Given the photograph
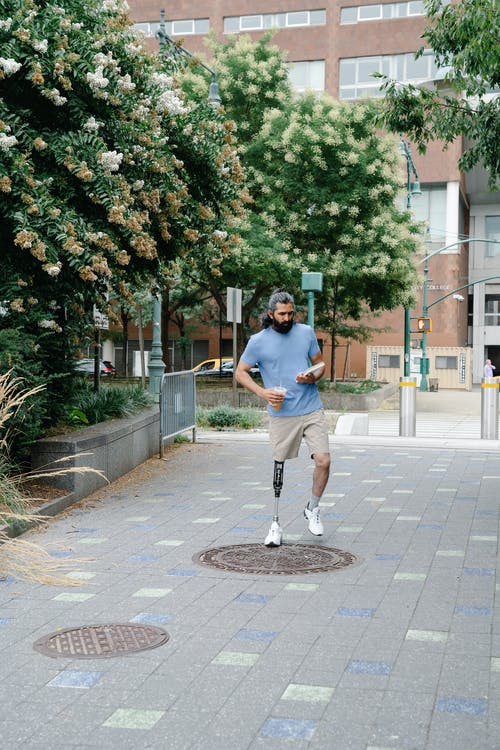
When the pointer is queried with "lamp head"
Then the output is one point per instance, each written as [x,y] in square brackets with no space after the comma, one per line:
[213,93]
[415,188]
[458,297]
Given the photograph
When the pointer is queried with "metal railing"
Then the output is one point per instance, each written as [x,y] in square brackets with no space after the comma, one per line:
[177,405]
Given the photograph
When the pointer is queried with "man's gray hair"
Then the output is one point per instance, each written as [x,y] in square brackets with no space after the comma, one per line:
[279,297]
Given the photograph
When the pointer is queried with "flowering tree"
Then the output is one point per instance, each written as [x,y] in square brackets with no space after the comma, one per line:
[327,185]
[106,174]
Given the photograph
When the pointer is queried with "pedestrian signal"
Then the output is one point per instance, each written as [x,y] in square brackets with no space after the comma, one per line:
[424,325]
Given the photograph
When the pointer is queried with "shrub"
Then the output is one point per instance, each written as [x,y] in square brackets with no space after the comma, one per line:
[222,417]
[358,386]
[111,402]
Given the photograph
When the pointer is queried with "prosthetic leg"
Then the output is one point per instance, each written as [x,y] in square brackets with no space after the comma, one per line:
[273,539]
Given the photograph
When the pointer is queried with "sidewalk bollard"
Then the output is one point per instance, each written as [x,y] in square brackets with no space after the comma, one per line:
[489,409]
[407,406]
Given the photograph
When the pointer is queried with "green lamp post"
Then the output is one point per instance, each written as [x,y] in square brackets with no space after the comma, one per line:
[311,283]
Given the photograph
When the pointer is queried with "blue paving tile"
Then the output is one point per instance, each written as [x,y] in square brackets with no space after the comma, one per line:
[292,729]
[472,706]
[356,611]
[486,513]
[343,487]
[182,572]
[7,580]
[256,635]
[472,610]
[333,515]
[369,667]
[149,618]
[143,558]
[440,504]
[74,679]
[84,530]
[261,518]
[144,526]
[257,598]
[243,530]
[387,556]
[479,571]
[182,507]
[4,621]
[164,494]
[62,553]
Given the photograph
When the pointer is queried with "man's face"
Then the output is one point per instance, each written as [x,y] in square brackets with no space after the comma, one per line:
[282,317]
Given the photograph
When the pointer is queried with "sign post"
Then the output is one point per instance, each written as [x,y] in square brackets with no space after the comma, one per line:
[234,317]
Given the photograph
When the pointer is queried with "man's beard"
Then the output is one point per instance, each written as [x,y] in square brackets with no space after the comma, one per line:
[284,327]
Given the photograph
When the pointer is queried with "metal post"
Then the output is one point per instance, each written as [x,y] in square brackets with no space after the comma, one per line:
[406,360]
[407,406]
[156,364]
[423,381]
[489,409]
[310,309]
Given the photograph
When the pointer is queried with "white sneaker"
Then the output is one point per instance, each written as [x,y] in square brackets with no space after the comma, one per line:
[315,525]
[273,539]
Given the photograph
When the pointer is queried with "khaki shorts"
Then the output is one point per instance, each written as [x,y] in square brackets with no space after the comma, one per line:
[286,433]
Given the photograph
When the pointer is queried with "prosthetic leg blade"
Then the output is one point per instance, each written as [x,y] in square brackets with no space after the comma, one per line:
[275,535]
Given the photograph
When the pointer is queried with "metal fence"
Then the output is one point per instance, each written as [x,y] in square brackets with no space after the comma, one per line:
[177,405]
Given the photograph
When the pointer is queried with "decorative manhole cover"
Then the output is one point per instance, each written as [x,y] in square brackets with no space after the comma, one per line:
[101,641]
[289,559]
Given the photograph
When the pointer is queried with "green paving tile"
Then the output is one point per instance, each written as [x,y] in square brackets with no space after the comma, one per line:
[254,506]
[206,520]
[334,494]
[479,538]
[235,659]
[375,499]
[408,518]
[410,577]
[349,529]
[92,540]
[302,587]
[450,553]
[293,537]
[81,575]
[495,664]
[327,504]
[133,718]
[138,519]
[307,693]
[215,498]
[251,484]
[341,473]
[446,489]
[69,597]
[371,481]
[170,542]
[389,509]
[403,492]
[427,635]
[151,593]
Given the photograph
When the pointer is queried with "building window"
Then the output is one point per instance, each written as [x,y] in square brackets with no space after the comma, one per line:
[492,310]
[492,232]
[356,79]
[430,208]
[446,363]
[234,24]
[183,27]
[360,13]
[389,361]
[307,76]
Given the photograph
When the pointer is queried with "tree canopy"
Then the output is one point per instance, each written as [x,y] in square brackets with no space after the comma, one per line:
[465,38]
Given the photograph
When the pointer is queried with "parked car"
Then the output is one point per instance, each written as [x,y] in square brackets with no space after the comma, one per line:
[211,366]
[87,366]
[227,369]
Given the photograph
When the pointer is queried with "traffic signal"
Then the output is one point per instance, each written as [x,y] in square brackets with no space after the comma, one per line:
[424,325]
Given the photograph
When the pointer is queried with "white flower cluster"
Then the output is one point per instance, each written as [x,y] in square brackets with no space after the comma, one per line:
[9,65]
[50,324]
[125,83]
[218,234]
[41,46]
[111,160]
[105,60]
[5,23]
[133,48]
[138,185]
[115,5]
[169,102]
[162,79]
[92,125]
[55,97]
[97,80]
[53,269]
[7,141]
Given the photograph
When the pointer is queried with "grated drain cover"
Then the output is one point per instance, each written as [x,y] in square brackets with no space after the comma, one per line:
[101,641]
[289,559]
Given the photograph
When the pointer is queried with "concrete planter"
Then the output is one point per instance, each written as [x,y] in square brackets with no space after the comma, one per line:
[114,447]
[341,402]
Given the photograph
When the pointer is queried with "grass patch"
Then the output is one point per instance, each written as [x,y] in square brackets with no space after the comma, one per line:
[227,417]
[357,386]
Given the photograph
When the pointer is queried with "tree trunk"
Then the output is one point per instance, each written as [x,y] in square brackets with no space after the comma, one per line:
[164,328]
[125,321]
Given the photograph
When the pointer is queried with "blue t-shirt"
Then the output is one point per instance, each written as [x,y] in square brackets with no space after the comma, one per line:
[280,357]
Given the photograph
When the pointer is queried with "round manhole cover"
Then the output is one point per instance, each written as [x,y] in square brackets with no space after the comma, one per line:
[289,559]
[101,641]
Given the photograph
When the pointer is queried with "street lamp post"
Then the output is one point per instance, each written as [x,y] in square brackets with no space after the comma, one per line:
[425,304]
[311,282]
[156,364]
[412,188]
[213,93]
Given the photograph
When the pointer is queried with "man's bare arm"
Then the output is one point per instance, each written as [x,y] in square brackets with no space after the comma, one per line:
[245,379]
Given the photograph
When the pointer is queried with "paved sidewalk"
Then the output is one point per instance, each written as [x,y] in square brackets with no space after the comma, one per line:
[400,652]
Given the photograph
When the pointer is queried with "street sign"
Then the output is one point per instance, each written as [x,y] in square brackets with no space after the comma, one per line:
[100,320]
[233,305]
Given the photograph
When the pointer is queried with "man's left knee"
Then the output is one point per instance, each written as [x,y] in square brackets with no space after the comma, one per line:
[322,461]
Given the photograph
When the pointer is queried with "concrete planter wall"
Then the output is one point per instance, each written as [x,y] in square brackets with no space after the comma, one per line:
[341,402]
[115,448]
